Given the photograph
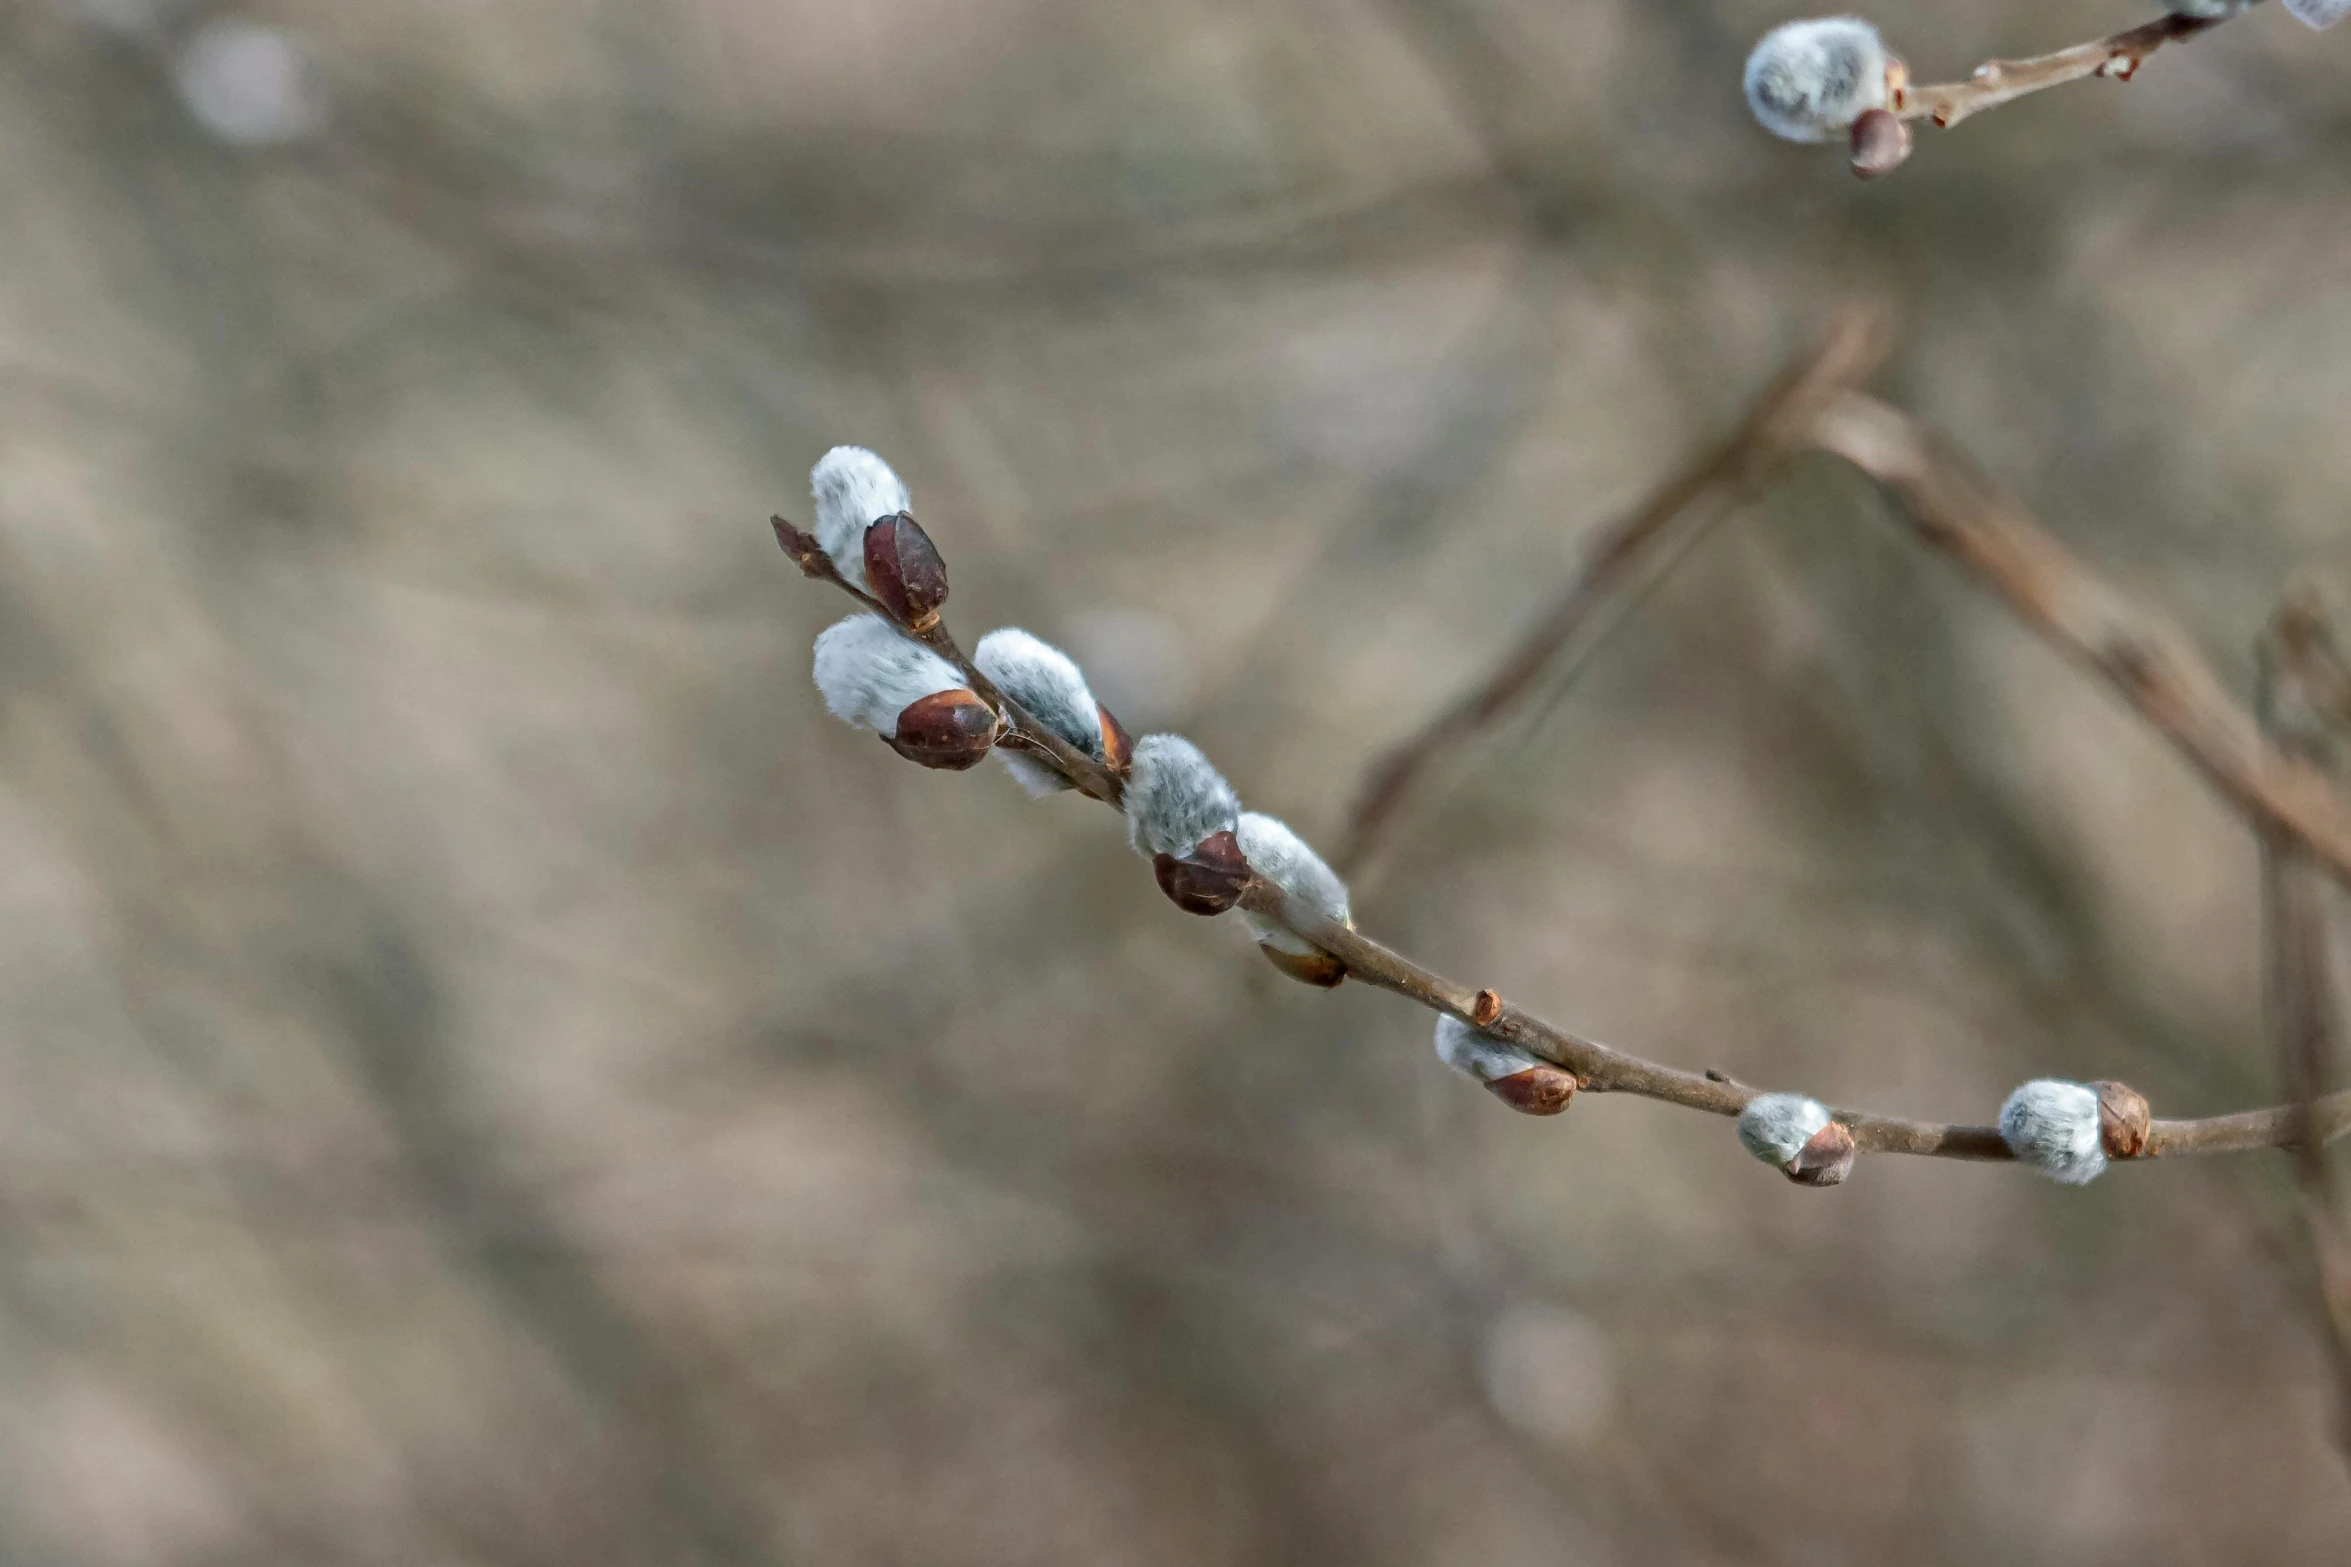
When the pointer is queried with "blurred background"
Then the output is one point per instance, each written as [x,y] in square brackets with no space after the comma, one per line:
[490,1073]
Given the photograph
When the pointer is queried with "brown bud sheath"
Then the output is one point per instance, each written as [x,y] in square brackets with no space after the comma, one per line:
[1314,968]
[907,575]
[1486,1010]
[1539,1090]
[2123,1120]
[1118,747]
[1826,1160]
[1206,881]
[1881,143]
[948,730]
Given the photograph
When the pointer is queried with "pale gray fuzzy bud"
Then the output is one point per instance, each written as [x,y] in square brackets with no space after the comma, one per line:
[1043,679]
[1477,1054]
[1775,1127]
[869,673]
[2318,15]
[1282,857]
[2211,10]
[1810,80]
[1175,797]
[2053,1126]
[852,488]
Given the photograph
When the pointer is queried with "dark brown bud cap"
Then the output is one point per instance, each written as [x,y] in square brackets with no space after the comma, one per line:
[1314,968]
[1881,143]
[905,570]
[1209,879]
[948,730]
[1539,1090]
[2123,1120]
[1826,1160]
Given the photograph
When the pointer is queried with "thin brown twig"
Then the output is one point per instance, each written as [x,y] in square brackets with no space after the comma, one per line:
[1600,1069]
[1996,82]
[1698,494]
[2305,913]
[2154,666]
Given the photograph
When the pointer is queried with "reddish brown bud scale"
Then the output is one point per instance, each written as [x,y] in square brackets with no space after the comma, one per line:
[1209,880]
[1118,747]
[1826,1160]
[904,568]
[1539,1090]
[947,730]
[1313,968]
[1486,1010]
[2124,1120]
[1881,144]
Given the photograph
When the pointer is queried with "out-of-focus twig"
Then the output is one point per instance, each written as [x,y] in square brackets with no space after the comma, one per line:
[2147,659]
[2309,916]
[1996,82]
[1693,497]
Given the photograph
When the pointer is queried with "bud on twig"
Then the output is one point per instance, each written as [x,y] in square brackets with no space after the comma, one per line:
[1282,857]
[1209,880]
[1796,1135]
[852,488]
[873,676]
[905,570]
[1881,143]
[1044,680]
[1182,814]
[2124,1119]
[1810,80]
[2054,1126]
[1519,1079]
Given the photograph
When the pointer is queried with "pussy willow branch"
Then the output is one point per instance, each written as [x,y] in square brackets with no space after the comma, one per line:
[2305,916]
[1996,82]
[2140,653]
[1695,497]
[1597,1067]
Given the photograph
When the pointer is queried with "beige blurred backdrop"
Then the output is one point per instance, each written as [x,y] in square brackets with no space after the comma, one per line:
[490,1073]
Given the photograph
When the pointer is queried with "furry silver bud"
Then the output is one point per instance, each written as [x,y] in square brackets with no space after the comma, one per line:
[1810,80]
[2054,1127]
[2214,10]
[1283,858]
[869,673]
[1775,1127]
[1175,798]
[1475,1053]
[852,489]
[2318,15]
[1043,679]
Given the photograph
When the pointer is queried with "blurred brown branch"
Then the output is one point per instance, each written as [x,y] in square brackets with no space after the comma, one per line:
[1996,82]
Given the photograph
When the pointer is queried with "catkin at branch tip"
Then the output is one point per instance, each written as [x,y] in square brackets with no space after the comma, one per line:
[1175,797]
[1046,681]
[1810,80]
[852,489]
[869,673]
[2053,1126]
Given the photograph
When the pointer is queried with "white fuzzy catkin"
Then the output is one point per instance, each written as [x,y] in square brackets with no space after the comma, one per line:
[1043,679]
[852,487]
[1810,80]
[869,672]
[2210,10]
[1282,857]
[1775,1127]
[2318,15]
[2053,1126]
[1175,797]
[1474,1053]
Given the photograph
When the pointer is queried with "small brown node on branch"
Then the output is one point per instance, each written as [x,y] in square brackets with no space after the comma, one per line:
[1118,747]
[1539,1090]
[2123,1120]
[947,730]
[1881,144]
[1825,1160]
[1317,968]
[1209,880]
[1486,1010]
[905,570]
[802,547]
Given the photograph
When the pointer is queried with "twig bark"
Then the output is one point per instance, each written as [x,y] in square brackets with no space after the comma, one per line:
[2306,914]
[1696,496]
[2142,655]
[1600,1069]
[1996,82]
